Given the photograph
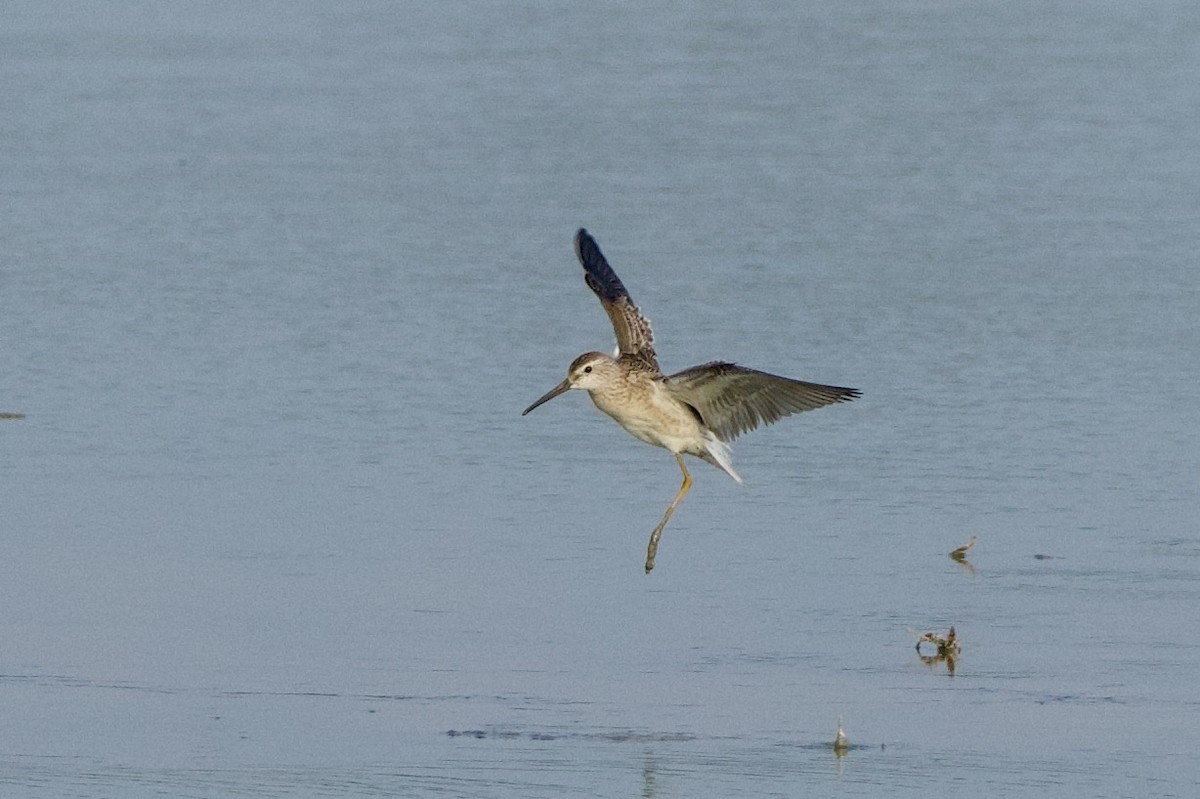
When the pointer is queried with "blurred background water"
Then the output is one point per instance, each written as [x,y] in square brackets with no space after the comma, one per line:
[277,280]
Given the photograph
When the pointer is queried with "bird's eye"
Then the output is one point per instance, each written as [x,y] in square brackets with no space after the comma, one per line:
[587,368]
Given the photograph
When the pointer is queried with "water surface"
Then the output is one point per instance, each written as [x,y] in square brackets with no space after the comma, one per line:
[278,281]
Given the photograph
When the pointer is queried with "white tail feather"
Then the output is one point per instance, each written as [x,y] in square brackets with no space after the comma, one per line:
[719,451]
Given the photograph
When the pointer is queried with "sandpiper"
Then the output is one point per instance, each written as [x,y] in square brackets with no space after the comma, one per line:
[698,411]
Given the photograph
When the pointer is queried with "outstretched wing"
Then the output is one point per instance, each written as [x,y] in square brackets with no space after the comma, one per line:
[633,330]
[733,400]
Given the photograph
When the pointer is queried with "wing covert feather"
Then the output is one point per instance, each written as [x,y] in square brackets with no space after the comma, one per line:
[733,399]
[634,337]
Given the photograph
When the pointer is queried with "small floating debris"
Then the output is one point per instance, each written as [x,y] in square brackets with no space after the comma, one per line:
[466,733]
[607,736]
[841,744]
[946,647]
[961,552]
[959,556]
[11,415]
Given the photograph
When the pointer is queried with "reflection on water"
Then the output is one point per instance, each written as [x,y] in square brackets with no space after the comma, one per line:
[649,775]
[965,564]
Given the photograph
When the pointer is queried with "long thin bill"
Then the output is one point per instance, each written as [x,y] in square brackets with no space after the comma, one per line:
[561,388]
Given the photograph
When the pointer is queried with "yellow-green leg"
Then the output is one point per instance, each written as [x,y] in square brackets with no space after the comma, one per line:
[652,549]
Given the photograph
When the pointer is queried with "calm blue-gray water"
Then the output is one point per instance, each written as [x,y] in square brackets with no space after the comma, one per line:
[277,279]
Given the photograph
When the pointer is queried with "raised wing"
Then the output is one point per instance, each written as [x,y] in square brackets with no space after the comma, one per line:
[733,400]
[633,330]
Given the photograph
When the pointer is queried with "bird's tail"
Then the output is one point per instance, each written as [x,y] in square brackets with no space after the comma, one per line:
[717,453]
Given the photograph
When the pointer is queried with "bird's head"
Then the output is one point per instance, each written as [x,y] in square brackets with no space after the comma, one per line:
[589,371]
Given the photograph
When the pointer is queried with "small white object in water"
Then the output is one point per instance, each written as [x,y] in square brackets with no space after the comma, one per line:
[840,742]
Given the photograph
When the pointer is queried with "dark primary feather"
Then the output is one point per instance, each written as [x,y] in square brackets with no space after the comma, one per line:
[632,329]
[733,400]
[600,276]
